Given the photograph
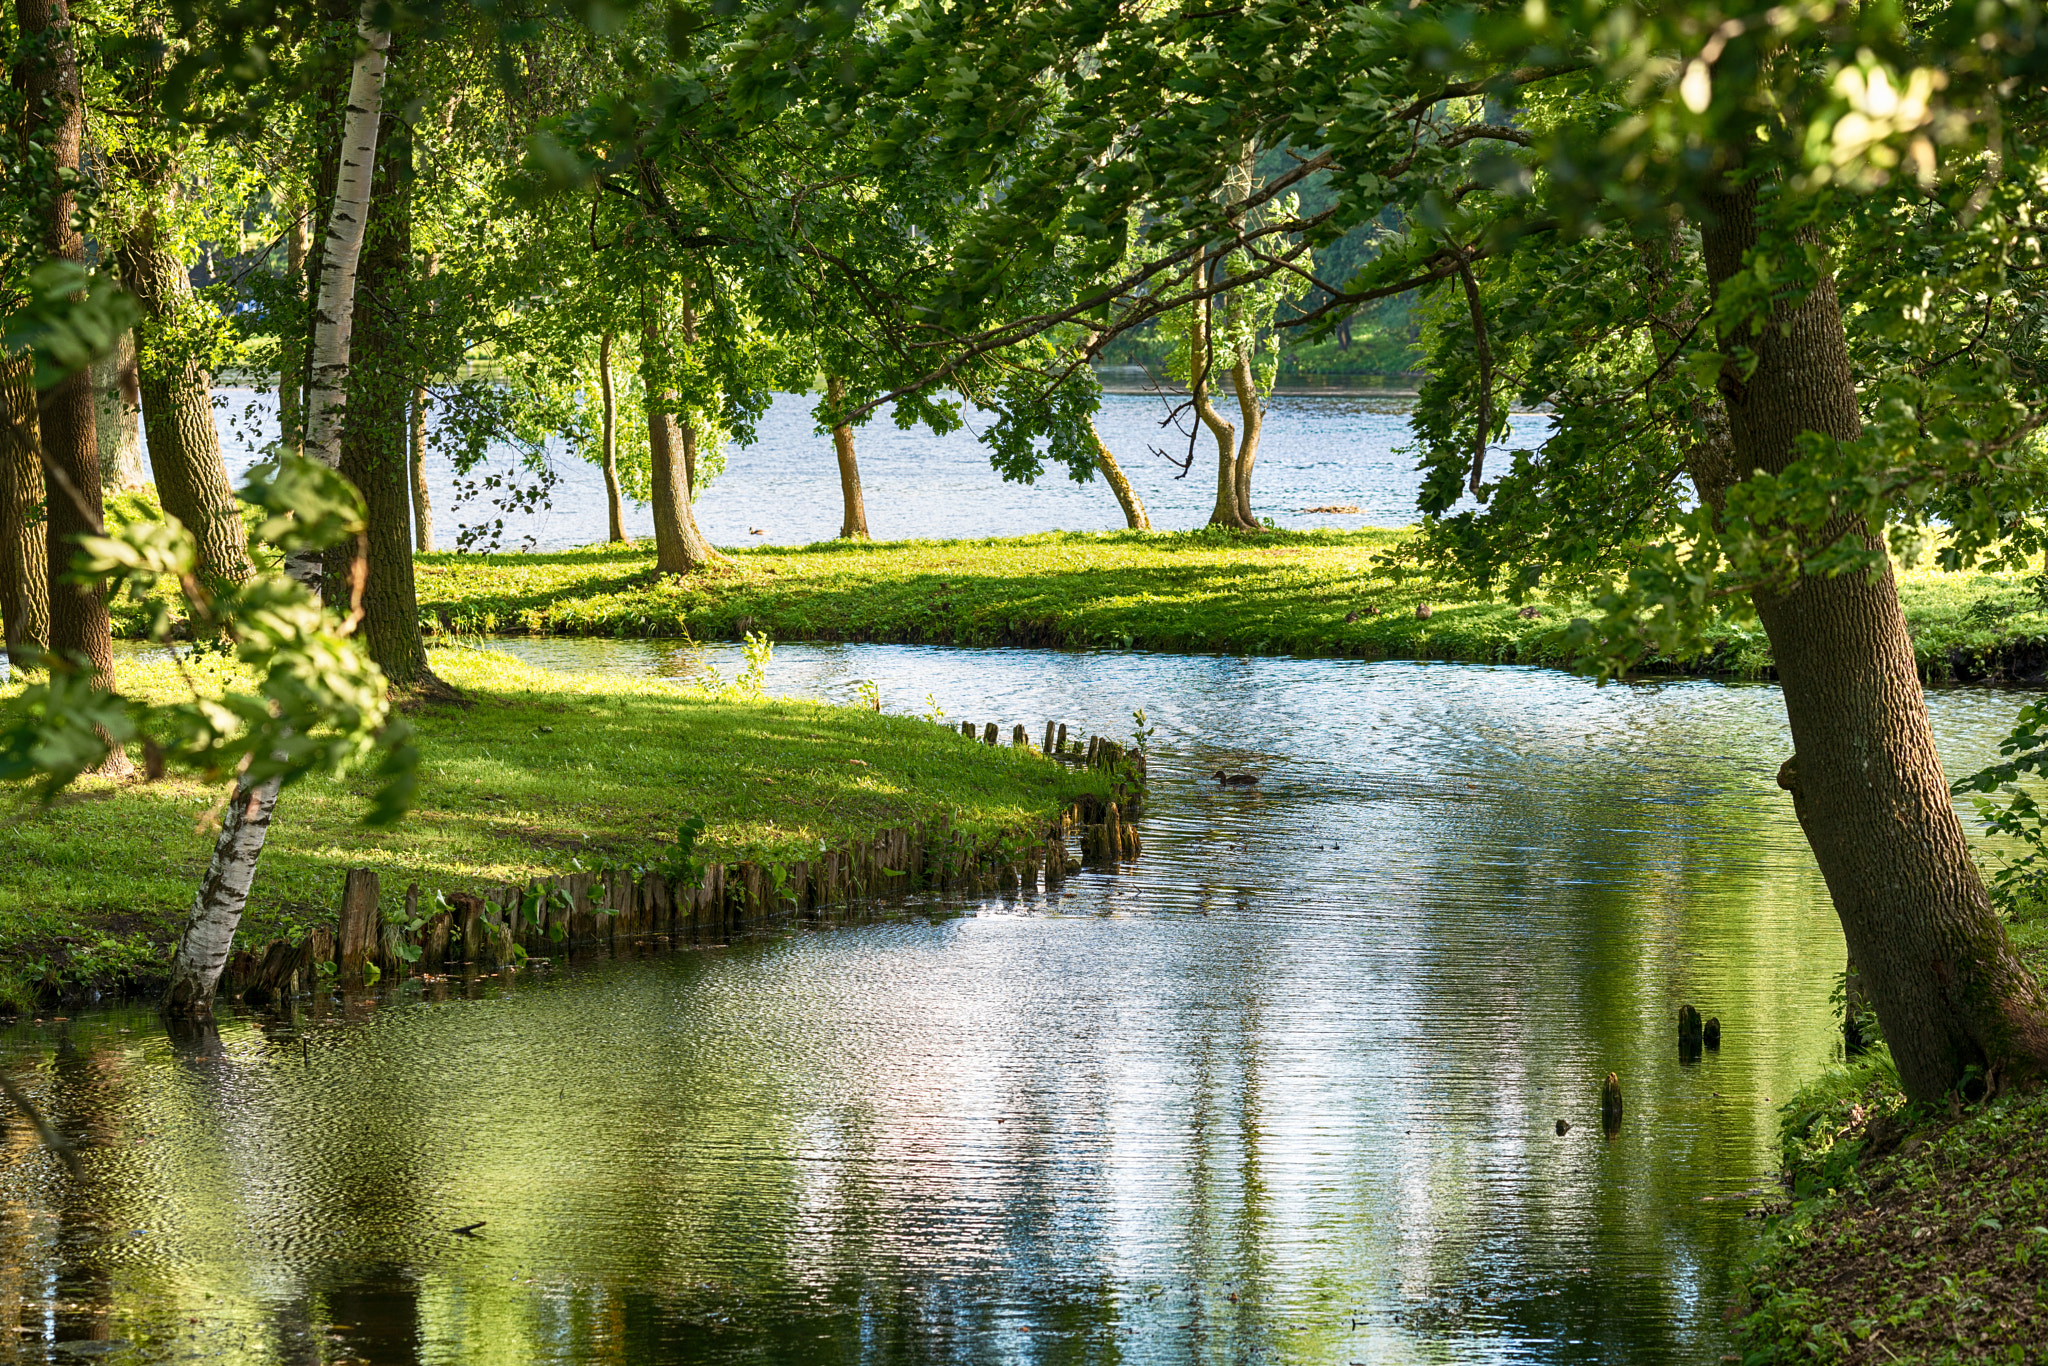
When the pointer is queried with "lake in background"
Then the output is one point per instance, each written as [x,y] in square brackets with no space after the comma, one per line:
[1317,451]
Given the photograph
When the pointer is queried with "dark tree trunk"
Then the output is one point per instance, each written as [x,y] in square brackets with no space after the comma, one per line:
[1865,781]
[177,409]
[79,626]
[614,504]
[853,526]
[24,555]
[291,357]
[376,430]
[416,459]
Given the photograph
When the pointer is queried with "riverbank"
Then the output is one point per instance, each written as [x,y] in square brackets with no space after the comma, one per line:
[1909,1235]
[1312,593]
[544,774]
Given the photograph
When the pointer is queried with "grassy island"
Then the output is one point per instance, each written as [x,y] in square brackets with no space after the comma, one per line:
[541,773]
[1284,592]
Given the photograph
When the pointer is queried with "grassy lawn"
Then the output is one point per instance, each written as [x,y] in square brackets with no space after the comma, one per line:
[543,770]
[1307,593]
[1911,1236]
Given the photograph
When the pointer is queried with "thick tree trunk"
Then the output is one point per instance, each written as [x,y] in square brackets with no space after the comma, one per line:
[24,554]
[679,547]
[1201,366]
[117,406]
[177,408]
[376,442]
[1254,416]
[217,910]
[614,504]
[291,359]
[1865,780]
[1127,497]
[79,626]
[853,524]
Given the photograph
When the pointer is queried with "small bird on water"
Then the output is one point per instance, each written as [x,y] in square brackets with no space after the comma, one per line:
[1237,779]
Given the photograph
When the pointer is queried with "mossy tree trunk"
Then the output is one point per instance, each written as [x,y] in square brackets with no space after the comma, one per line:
[376,438]
[24,555]
[80,629]
[1865,779]
[177,404]
[853,521]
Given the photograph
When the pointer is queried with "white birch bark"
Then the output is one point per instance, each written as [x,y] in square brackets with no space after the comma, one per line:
[217,911]
[334,306]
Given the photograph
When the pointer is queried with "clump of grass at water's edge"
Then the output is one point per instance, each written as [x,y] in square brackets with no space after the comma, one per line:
[1910,1235]
[1281,592]
[545,770]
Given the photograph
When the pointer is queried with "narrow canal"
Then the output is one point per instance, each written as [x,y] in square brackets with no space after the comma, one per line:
[1285,1090]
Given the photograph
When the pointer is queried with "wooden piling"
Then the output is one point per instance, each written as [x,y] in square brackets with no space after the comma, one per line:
[1610,1103]
[1711,1031]
[967,729]
[1061,746]
[1020,738]
[991,733]
[1047,746]
[1689,1028]
[358,940]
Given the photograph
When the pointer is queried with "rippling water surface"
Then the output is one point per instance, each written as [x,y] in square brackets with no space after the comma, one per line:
[1284,1090]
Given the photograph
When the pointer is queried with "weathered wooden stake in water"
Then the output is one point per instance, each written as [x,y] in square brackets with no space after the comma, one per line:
[1061,747]
[1689,1028]
[1047,746]
[1019,738]
[1610,1103]
[967,729]
[359,924]
[991,734]
[1711,1031]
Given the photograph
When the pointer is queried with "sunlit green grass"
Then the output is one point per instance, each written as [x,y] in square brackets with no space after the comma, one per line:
[544,769]
[1305,593]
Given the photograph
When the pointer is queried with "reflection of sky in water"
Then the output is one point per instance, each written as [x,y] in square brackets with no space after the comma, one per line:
[1282,1090]
[1316,452]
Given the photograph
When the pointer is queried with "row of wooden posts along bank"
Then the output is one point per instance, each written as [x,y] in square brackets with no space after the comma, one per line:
[618,912]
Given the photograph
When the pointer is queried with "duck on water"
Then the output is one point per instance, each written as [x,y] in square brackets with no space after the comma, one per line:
[1237,779]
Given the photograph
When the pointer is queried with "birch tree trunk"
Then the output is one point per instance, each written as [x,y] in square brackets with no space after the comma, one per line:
[216,913]
[1127,497]
[614,505]
[24,555]
[341,250]
[853,525]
